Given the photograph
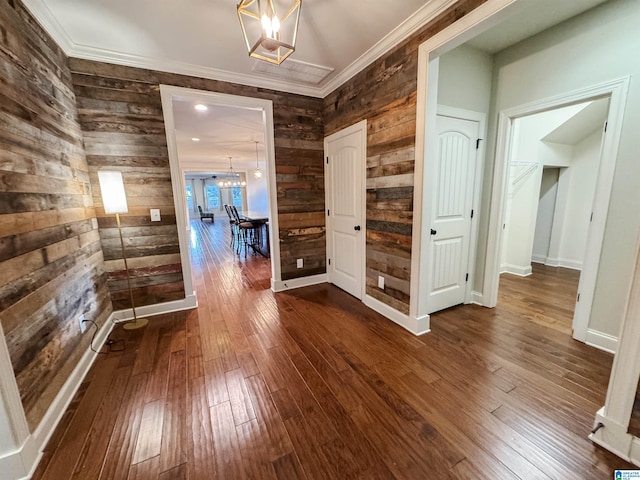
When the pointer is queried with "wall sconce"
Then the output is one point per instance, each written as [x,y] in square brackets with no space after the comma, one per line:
[268,36]
[114,200]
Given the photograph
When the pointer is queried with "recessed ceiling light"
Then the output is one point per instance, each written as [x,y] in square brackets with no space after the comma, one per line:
[195,139]
[201,108]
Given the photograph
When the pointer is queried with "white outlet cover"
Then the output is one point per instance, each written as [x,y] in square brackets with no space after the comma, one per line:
[155,214]
[300,263]
[381,282]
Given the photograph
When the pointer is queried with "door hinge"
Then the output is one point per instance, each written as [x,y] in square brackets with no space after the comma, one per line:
[472,213]
[329,261]
[578,298]
[591,218]
[327,160]
[478,143]
[466,277]
[606,124]
[328,212]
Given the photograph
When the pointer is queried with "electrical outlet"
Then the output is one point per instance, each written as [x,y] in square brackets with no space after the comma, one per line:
[83,323]
[299,263]
[381,282]
[155,214]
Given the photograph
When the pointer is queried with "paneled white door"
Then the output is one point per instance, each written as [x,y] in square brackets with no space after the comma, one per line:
[345,165]
[452,201]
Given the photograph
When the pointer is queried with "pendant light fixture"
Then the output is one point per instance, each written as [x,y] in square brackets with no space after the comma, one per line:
[257,173]
[269,36]
[233,178]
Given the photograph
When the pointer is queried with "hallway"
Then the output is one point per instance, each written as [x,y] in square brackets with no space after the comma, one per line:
[311,384]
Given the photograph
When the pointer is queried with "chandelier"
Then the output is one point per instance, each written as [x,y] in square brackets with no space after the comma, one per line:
[232,178]
[257,173]
[269,36]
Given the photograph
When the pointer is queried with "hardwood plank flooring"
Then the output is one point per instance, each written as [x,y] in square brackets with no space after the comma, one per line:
[310,384]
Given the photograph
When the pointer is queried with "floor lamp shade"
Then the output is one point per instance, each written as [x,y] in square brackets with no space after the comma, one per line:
[112,190]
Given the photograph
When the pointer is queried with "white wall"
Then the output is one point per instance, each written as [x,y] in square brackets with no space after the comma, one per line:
[257,196]
[464,80]
[598,46]
[546,211]
[582,187]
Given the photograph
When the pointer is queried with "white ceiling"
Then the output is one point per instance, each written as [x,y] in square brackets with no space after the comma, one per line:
[203,38]
[581,125]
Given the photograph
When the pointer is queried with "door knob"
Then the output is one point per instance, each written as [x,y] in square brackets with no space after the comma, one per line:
[433,232]
[357,228]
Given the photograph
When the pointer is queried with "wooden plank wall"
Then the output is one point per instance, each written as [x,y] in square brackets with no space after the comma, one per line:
[120,113]
[385,95]
[51,262]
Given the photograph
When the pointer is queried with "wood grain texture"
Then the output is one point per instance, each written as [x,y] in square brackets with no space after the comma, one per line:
[324,388]
[51,264]
[121,117]
[385,94]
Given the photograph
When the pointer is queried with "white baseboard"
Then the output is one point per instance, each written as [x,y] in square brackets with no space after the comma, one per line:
[416,325]
[602,341]
[634,456]
[22,462]
[187,303]
[477,298]
[538,259]
[283,285]
[516,270]
[564,263]
[612,436]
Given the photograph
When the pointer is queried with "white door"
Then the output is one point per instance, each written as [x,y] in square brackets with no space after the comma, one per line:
[451,215]
[345,165]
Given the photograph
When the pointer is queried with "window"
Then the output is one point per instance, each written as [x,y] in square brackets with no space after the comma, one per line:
[189,189]
[236,193]
[212,193]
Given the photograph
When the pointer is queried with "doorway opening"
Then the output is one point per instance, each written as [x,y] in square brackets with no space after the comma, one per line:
[216,143]
[552,174]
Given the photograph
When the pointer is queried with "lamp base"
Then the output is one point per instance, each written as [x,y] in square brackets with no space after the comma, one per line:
[135,324]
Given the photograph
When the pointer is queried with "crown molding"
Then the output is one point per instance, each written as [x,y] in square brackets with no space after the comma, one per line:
[48,21]
[403,31]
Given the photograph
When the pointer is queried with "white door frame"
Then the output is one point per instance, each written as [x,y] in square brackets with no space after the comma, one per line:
[616,90]
[357,127]
[168,93]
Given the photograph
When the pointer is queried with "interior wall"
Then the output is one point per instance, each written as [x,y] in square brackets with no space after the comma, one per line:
[464,79]
[115,99]
[385,95]
[51,262]
[592,48]
[545,215]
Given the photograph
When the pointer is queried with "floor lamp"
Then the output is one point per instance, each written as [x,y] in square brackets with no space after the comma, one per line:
[115,201]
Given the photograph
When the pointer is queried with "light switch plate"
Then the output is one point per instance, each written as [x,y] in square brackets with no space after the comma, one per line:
[300,263]
[381,282]
[155,214]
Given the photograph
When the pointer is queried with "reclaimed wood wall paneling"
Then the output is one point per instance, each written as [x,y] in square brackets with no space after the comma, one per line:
[51,263]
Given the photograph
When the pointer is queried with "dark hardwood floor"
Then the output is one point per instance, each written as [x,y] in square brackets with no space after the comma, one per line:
[310,384]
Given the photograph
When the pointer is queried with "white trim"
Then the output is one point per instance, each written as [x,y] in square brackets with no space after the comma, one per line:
[415,325]
[602,341]
[561,262]
[283,285]
[613,436]
[415,22]
[477,298]
[403,31]
[516,270]
[187,303]
[167,94]
[634,456]
[360,127]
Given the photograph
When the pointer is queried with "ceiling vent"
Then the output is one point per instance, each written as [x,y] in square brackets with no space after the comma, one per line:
[295,71]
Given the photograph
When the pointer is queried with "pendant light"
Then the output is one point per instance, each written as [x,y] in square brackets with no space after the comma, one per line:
[257,173]
[233,178]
